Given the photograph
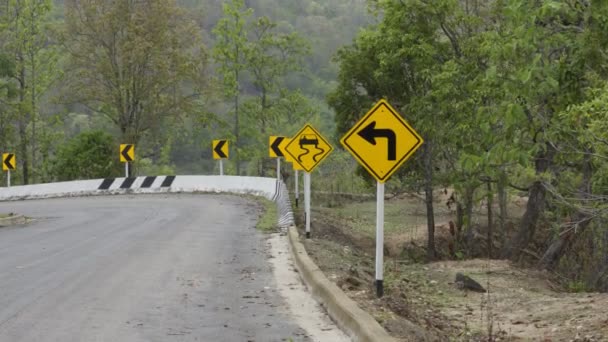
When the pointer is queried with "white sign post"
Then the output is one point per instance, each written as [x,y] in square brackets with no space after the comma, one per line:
[8,179]
[380,239]
[297,188]
[307,202]
[221,167]
[278,168]
[126,169]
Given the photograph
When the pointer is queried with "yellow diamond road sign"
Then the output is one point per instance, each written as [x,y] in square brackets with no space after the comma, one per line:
[381,141]
[308,148]
[289,158]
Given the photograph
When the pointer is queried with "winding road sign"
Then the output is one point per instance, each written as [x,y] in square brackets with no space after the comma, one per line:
[274,146]
[382,141]
[8,161]
[220,149]
[289,158]
[308,148]
[127,153]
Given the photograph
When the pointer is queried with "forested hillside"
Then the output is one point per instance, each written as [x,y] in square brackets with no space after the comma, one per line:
[147,73]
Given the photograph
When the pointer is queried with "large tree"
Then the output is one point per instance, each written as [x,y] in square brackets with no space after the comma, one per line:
[140,63]
[26,40]
[229,53]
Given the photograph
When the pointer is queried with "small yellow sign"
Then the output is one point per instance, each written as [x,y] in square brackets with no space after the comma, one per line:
[381,141]
[9,161]
[220,149]
[308,148]
[276,146]
[127,153]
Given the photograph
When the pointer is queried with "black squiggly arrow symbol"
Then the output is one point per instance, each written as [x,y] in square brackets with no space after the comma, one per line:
[370,133]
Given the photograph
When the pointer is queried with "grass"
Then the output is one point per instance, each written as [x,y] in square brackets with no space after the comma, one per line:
[400,215]
[269,218]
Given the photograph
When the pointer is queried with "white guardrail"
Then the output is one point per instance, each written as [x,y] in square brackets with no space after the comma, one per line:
[258,186]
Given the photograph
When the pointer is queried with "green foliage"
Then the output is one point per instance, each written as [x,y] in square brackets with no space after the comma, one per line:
[268,219]
[88,155]
[142,65]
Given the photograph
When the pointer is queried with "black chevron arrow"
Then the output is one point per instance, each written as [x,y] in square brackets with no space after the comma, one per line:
[370,133]
[125,153]
[218,149]
[7,162]
[275,146]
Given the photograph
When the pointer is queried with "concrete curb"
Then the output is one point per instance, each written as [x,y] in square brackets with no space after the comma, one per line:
[357,323]
[12,220]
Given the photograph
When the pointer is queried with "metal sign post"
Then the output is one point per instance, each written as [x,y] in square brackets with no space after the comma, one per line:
[8,179]
[297,188]
[279,168]
[126,169]
[307,202]
[221,167]
[380,239]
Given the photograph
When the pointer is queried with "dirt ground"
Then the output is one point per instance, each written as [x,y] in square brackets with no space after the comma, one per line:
[422,299]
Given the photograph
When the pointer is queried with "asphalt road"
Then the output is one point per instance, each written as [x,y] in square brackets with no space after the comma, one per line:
[139,268]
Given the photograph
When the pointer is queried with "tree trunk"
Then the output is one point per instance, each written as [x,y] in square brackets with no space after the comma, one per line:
[236,120]
[23,121]
[468,212]
[428,189]
[534,208]
[502,204]
[556,249]
[490,200]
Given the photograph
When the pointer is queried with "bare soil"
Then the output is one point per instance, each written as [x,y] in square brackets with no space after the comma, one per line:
[421,298]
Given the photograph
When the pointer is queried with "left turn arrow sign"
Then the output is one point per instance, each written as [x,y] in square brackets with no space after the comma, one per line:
[127,153]
[8,161]
[275,147]
[220,149]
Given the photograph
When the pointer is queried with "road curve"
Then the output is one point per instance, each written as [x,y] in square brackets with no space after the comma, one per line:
[139,268]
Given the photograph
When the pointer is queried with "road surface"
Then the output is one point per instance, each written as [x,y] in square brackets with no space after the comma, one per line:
[142,268]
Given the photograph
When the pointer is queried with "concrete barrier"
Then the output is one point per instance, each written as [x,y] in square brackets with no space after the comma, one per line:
[259,186]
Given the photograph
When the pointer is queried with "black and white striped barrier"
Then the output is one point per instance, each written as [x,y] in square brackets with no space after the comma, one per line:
[149,182]
[284,209]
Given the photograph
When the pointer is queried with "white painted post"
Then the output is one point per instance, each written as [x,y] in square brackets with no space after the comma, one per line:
[297,188]
[278,168]
[126,169]
[221,167]
[307,202]
[8,179]
[380,240]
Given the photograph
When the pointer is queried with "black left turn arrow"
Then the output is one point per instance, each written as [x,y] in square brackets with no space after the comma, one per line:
[275,146]
[218,149]
[7,161]
[125,153]
[370,133]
